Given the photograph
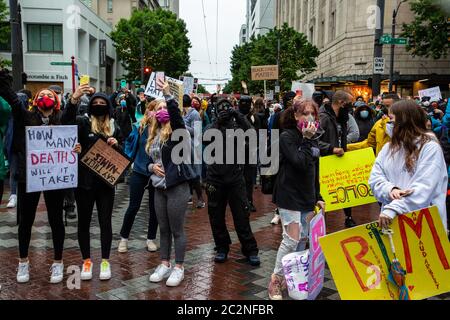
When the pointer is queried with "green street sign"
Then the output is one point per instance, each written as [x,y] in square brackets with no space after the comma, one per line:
[60,63]
[400,41]
[386,39]
[137,82]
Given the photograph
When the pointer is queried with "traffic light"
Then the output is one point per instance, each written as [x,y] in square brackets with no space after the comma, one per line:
[147,70]
[448,29]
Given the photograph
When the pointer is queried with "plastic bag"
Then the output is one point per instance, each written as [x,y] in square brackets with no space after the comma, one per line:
[295,268]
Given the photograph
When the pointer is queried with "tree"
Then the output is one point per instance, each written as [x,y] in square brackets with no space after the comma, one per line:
[202,89]
[165,41]
[297,58]
[427,33]
[5,31]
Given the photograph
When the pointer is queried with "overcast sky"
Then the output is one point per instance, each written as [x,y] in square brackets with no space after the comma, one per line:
[216,65]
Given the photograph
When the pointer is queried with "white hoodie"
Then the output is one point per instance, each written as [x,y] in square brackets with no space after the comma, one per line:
[429,181]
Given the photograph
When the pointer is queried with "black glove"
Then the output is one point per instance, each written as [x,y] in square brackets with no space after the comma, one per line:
[233,113]
[224,116]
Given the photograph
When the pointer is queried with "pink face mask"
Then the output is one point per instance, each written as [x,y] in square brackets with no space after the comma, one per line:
[162,116]
[301,124]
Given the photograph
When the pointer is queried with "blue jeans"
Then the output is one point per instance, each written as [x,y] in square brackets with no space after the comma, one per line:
[138,182]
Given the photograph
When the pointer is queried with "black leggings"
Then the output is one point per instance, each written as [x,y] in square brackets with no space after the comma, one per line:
[28,204]
[103,196]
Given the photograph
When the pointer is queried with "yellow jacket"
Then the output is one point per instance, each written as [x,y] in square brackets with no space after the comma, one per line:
[376,139]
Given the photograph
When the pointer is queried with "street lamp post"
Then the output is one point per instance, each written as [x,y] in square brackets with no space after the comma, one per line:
[394,22]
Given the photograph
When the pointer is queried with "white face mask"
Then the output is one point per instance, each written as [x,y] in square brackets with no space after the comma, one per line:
[390,129]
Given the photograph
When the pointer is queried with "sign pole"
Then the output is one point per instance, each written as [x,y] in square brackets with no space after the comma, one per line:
[265,94]
[73,74]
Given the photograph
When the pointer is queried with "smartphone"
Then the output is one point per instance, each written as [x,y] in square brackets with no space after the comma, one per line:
[84,80]
[160,76]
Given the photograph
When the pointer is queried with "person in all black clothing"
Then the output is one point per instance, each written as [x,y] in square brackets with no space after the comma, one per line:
[297,189]
[333,120]
[364,117]
[46,112]
[226,185]
[96,124]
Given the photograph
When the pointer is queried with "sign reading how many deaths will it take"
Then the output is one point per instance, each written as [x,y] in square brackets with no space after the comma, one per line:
[51,162]
[344,180]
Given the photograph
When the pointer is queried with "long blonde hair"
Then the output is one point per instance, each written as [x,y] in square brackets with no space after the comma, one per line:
[146,120]
[101,126]
[164,130]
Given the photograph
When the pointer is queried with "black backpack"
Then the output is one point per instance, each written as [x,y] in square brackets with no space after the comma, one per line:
[445,144]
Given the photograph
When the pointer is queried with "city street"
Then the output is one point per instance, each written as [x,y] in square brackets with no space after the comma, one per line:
[204,279]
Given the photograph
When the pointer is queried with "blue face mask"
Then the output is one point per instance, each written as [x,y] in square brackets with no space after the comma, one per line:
[364,114]
[123,104]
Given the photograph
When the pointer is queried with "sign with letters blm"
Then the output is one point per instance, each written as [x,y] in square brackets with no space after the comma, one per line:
[344,180]
[51,163]
[359,258]
[106,162]
[264,73]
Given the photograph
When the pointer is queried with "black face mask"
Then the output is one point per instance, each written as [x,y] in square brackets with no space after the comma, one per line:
[245,110]
[99,110]
[343,116]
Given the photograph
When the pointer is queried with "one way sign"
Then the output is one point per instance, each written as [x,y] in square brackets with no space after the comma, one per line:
[378,65]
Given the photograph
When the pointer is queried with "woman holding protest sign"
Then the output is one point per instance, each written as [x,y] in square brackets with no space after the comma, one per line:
[92,189]
[136,142]
[410,171]
[46,112]
[297,191]
[171,188]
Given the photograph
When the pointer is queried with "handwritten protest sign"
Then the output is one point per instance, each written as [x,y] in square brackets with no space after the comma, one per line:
[434,93]
[344,180]
[188,84]
[51,163]
[359,262]
[105,161]
[307,89]
[176,89]
[316,257]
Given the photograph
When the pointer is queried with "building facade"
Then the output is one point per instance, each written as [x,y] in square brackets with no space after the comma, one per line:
[243,35]
[172,5]
[261,16]
[344,32]
[55,30]
[113,10]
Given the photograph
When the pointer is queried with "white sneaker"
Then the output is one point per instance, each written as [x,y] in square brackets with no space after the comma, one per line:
[86,270]
[151,246]
[123,246]
[160,273]
[105,270]
[176,277]
[12,201]
[23,272]
[276,219]
[57,270]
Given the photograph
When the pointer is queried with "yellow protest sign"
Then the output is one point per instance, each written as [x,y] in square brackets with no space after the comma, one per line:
[358,258]
[344,180]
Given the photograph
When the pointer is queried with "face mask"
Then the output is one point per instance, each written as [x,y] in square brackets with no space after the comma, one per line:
[45,103]
[364,114]
[99,110]
[302,124]
[45,121]
[162,116]
[426,103]
[244,110]
[123,104]
[390,129]
[195,105]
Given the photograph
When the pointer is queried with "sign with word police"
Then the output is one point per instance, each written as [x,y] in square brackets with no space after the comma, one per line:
[51,162]
[344,180]
[106,162]
[360,258]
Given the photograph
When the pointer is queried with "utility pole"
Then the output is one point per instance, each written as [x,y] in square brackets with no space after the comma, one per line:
[142,59]
[16,44]
[277,83]
[394,22]
[378,48]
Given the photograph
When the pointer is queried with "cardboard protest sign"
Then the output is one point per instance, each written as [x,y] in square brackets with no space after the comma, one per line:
[105,161]
[344,180]
[359,258]
[188,83]
[306,88]
[434,93]
[316,270]
[51,163]
[264,72]
[176,89]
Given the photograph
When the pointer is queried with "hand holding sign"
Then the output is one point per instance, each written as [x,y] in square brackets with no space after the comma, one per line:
[112,141]
[77,148]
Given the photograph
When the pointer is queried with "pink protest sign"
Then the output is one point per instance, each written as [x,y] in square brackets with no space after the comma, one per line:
[316,257]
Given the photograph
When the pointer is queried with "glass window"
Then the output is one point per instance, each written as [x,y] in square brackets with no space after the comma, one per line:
[44,38]
[110,6]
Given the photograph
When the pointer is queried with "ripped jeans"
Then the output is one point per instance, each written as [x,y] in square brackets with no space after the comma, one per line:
[290,244]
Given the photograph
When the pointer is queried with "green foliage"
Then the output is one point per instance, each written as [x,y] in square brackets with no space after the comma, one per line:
[297,58]
[5,28]
[201,89]
[165,41]
[427,33]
